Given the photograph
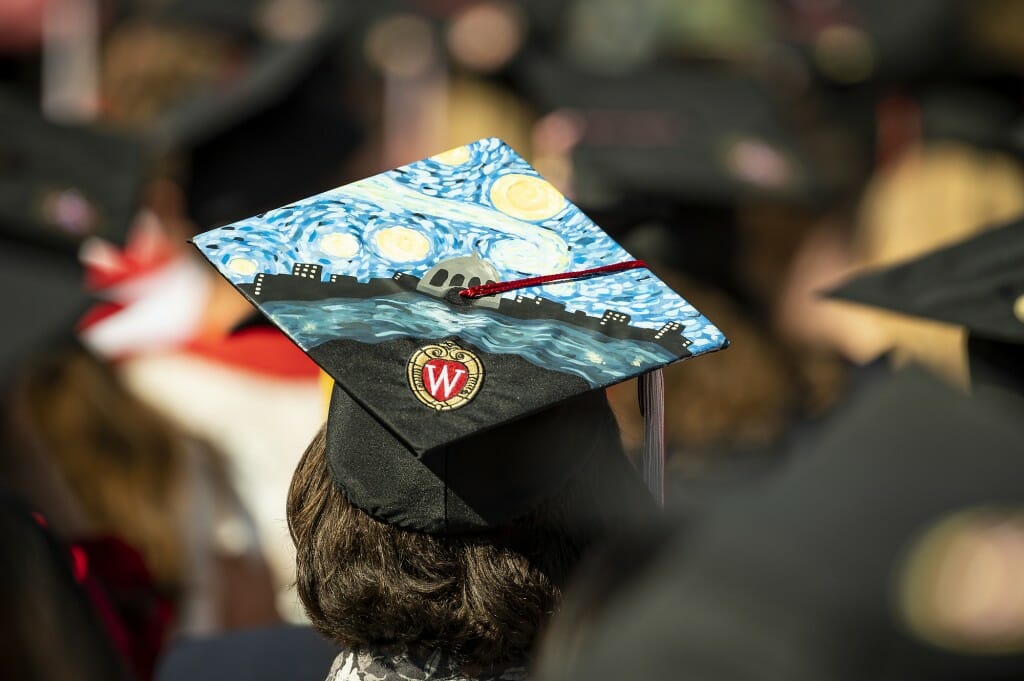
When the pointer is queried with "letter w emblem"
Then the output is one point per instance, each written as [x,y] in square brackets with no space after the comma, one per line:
[443,379]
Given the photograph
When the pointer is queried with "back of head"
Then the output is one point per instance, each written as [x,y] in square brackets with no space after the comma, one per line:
[482,597]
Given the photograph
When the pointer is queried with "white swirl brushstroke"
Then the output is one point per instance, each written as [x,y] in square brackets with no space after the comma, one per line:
[543,251]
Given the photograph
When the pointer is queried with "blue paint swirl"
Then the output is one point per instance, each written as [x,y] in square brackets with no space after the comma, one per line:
[595,358]
[451,208]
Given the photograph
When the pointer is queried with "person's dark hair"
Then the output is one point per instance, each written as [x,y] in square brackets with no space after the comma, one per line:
[482,597]
[122,461]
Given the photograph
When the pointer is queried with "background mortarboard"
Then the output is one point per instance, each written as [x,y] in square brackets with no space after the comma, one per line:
[45,298]
[801,579]
[279,128]
[855,41]
[62,184]
[698,133]
[985,115]
[670,152]
[361,277]
[977,283]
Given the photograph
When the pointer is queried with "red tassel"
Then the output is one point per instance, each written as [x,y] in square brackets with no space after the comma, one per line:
[504,286]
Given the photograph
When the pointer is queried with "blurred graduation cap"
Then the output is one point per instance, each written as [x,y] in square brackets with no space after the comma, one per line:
[977,283]
[984,115]
[279,127]
[45,298]
[668,153]
[853,41]
[703,134]
[60,185]
[450,300]
[63,184]
[854,562]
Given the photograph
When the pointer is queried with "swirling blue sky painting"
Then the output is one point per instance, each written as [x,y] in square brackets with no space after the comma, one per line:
[481,199]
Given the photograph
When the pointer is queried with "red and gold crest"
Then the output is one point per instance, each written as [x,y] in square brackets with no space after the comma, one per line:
[445,376]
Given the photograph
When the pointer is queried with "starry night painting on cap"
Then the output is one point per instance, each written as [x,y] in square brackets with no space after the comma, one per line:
[362,278]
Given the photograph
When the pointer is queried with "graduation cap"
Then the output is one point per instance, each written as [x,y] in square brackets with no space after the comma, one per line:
[449,297]
[830,570]
[62,184]
[58,186]
[45,298]
[986,117]
[671,153]
[703,134]
[977,283]
[851,41]
[283,105]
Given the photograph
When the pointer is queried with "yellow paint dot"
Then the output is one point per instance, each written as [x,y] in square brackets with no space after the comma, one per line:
[1018,309]
[453,157]
[245,266]
[526,197]
[402,244]
[339,244]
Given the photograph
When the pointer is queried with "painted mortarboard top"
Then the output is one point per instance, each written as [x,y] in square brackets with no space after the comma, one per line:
[977,283]
[61,184]
[365,279]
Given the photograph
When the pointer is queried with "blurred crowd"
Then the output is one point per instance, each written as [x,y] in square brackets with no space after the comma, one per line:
[845,494]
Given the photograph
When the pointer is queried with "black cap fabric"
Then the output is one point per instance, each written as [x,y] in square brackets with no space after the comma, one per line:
[987,115]
[977,283]
[687,133]
[283,105]
[45,299]
[366,279]
[59,185]
[62,184]
[820,573]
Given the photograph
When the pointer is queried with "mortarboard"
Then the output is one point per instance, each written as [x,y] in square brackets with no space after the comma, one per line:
[283,83]
[817,574]
[59,185]
[671,152]
[433,295]
[853,41]
[46,297]
[685,133]
[984,115]
[977,283]
[62,184]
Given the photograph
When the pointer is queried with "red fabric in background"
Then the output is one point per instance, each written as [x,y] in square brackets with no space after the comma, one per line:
[136,615]
[263,350]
